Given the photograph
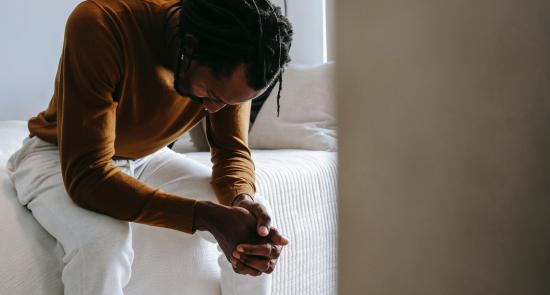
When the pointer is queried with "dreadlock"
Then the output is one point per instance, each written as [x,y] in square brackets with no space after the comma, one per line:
[234,32]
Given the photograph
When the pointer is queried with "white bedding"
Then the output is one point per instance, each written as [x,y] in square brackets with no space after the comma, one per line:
[301,186]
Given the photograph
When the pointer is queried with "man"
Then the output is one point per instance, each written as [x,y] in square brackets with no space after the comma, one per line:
[133,76]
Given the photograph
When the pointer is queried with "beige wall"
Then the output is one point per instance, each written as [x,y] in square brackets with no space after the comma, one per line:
[444,128]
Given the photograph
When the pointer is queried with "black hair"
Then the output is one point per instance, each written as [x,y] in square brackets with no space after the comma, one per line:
[234,32]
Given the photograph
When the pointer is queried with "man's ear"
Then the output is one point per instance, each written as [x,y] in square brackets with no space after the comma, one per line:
[190,43]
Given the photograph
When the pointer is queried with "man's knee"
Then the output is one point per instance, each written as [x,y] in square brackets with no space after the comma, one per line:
[101,261]
[108,242]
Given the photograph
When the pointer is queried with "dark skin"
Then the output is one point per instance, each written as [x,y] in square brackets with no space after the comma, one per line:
[241,227]
[243,230]
[261,256]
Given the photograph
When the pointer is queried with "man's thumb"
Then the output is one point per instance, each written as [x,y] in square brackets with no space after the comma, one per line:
[263,230]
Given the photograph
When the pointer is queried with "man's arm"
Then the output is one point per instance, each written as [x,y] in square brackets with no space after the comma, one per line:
[233,180]
[90,69]
[233,174]
[233,169]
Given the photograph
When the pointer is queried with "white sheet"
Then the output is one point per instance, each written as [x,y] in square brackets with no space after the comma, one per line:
[301,186]
[28,255]
[11,137]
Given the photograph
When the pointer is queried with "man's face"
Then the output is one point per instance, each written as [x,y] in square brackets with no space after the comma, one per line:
[214,93]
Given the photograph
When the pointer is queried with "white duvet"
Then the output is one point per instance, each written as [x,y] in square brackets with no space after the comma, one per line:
[301,186]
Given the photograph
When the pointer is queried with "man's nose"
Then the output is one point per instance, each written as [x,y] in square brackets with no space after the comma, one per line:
[212,107]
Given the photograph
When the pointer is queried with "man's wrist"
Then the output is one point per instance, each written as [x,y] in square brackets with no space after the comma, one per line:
[201,216]
[241,198]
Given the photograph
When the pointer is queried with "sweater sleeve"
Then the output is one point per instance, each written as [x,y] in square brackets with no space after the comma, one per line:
[91,66]
[233,168]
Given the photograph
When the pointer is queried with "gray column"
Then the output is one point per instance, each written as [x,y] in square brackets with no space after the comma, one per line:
[444,152]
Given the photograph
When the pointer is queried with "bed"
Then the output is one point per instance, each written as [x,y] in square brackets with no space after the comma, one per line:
[300,184]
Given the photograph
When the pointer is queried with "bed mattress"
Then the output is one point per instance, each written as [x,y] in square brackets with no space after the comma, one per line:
[301,188]
[300,185]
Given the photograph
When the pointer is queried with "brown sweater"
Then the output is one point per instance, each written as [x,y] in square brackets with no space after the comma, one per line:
[114,98]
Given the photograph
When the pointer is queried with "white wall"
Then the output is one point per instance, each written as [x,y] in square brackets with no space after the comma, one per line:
[32,34]
[444,147]
[331,29]
[307,19]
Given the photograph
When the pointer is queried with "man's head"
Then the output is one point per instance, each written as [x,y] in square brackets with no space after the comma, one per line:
[231,50]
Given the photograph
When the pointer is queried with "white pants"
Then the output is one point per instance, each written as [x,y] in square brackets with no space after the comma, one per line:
[98,251]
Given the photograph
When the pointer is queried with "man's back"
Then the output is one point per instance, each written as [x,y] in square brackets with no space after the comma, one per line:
[118,54]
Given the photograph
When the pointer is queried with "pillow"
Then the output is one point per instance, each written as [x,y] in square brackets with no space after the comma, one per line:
[12,134]
[307,116]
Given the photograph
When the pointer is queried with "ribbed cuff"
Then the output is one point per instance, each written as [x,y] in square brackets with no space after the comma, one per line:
[242,194]
[226,194]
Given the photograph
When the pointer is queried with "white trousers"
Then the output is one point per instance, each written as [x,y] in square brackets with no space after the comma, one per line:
[98,251]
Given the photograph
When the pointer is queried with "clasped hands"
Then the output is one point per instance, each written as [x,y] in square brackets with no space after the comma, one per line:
[261,257]
[244,234]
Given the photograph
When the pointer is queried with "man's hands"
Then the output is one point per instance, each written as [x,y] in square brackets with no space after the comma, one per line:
[230,226]
[260,257]
[243,232]
[258,210]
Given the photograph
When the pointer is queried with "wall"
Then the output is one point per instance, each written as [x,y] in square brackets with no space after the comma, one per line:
[32,34]
[306,17]
[32,31]
[331,29]
[444,151]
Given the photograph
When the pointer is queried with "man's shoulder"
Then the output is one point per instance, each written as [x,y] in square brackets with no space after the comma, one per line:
[92,14]
[85,11]
[121,7]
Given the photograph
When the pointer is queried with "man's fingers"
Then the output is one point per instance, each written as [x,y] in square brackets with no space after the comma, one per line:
[277,238]
[271,267]
[242,268]
[262,217]
[264,220]
[259,263]
[266,250]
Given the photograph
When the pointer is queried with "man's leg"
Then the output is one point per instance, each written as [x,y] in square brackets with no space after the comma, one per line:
[177,174]
[98,249]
